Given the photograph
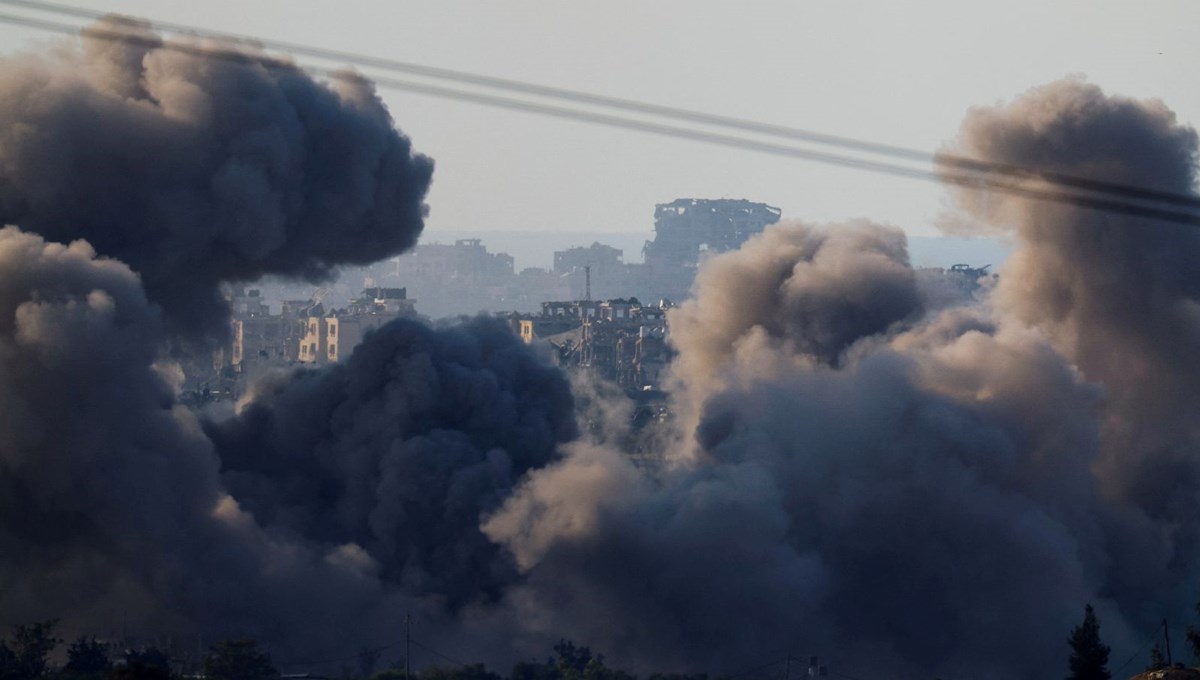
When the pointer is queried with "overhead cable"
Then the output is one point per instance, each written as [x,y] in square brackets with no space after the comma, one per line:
[977,175]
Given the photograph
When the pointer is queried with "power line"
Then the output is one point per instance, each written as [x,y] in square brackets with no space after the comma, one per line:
[941,159]
[1142,650]
[978,181]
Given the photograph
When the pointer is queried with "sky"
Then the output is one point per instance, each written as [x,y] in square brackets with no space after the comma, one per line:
[897,73]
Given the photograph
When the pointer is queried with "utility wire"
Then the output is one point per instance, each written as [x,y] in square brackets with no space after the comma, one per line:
[973,181]
[943,159]
[1149,643]
[576,96]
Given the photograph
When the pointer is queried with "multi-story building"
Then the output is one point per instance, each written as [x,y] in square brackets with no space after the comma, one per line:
[687,227]
[620,340]
[688,230]
[330,338]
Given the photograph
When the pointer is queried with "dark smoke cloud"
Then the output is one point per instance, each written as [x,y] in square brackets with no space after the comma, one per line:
[401,450]
[110,497]
[198,170]
[334,503]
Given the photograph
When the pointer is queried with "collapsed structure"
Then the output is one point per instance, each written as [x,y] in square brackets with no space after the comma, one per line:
[687,228]
[620,340]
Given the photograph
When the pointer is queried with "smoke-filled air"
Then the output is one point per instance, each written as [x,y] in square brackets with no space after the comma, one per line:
[852,467]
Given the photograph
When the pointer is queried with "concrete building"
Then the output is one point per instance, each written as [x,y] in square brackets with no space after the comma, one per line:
[330,338]
[466,260]
[262,341]
[595,271]
[620,339]
[686,228]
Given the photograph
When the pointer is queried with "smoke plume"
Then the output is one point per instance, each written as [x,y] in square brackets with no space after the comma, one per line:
[112,500]
[401,450]
[1118,296]
[196,170]
[907,494]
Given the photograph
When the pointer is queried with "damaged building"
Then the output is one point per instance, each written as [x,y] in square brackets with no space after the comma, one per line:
[620,340]
[687,230]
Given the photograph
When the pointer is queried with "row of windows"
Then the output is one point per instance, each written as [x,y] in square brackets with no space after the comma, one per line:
[310,350]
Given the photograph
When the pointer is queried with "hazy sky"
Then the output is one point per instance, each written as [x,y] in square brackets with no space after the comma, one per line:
[900,73]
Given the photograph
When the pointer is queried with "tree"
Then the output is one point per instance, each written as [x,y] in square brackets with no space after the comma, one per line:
[148,664]
[472,672]
[1089,656]
[87,658]
[25,658]
[1193,637]
[239,660]
[570,662]
[150,657]
[1157,660]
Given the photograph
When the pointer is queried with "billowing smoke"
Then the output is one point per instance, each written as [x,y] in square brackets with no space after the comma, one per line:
[181,172]
[908,495]
[401,450]
[196,170]
[906,487]
[342,499]
[803,293]
[113,506]
[1117,296]
[903,500]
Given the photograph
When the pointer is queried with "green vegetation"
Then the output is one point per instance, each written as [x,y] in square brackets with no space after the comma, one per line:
[1089,656]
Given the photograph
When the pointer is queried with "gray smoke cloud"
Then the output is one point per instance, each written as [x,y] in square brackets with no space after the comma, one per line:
[1117,296]
[196,170]
[907,495]
[800,292]
[869,508]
